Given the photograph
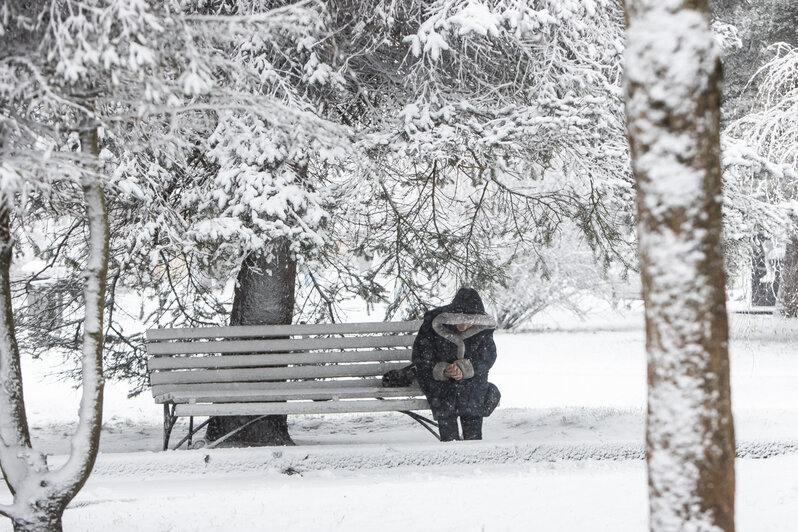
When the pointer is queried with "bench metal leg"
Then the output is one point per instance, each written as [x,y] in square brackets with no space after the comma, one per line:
[191,432]
[214,443]
[169,420]
[423,421]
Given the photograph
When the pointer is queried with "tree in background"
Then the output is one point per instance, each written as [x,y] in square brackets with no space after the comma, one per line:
[442,170]
[752,27]
[382,158]
[673,77]
[768,133]
[758,178]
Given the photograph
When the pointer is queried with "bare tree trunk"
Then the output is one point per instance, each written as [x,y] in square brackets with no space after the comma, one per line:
[673,108]
[264,294]
[18,460]
[85,443]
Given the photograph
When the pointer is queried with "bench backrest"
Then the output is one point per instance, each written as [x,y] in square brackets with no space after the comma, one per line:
[276,357]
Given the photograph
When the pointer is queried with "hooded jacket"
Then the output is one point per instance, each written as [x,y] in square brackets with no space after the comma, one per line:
[439,343]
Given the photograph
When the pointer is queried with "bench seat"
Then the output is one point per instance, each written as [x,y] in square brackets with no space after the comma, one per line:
[280,369]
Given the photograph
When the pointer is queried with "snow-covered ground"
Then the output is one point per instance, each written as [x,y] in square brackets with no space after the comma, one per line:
[563,451]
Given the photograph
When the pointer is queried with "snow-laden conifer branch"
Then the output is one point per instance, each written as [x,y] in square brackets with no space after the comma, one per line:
[280,18]
[178,66]
[237,105]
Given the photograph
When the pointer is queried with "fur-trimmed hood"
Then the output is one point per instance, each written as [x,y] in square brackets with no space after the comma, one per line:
[466,307]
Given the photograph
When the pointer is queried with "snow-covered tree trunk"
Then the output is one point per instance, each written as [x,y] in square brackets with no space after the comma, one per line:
[41,494]
[264,294]
[673,78]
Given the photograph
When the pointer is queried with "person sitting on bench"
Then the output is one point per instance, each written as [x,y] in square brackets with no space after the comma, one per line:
[452,354]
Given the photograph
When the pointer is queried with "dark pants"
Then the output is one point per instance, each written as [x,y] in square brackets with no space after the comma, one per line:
[472,428]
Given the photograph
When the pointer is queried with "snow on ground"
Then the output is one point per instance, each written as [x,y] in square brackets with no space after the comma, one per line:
[563,451]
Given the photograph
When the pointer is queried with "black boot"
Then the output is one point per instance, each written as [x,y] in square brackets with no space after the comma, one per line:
[448,428]
[472,427]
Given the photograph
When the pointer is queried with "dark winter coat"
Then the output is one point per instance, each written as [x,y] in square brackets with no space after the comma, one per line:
[439,343]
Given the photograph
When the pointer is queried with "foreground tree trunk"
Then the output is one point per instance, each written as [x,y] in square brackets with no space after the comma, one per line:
[264,294]
[673,108]
[42,494]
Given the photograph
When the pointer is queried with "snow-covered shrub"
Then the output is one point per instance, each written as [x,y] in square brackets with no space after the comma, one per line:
[562,276]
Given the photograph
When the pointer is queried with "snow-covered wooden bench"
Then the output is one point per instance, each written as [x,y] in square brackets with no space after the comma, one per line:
[279,369]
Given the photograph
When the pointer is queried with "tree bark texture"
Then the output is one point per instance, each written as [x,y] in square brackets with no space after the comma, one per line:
[40,522]
[264,294]
[788,288]
[673,77]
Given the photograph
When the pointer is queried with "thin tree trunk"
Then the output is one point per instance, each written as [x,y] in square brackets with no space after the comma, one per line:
[41,495]
[264,294]
[673,108]
[14,426]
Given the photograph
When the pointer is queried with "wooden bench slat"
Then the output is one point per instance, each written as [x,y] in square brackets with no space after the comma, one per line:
[265,346]
[308,407]
[276,359]
[161,389]
[235,396]
[249,331]
[260,374]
